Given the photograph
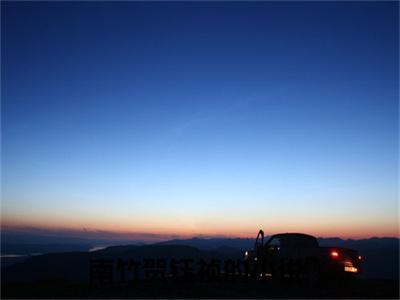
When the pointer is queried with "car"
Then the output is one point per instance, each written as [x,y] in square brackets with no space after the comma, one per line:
[299,256]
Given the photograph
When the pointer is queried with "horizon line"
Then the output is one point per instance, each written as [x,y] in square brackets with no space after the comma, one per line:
[134,236]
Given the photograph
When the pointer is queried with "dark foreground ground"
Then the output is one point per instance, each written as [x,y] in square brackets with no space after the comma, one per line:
[359,288]
[68,274]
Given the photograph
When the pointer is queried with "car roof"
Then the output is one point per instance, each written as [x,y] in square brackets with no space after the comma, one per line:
[292,234]
[296,239]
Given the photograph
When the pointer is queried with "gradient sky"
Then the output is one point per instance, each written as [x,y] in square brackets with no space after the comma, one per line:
[201,118]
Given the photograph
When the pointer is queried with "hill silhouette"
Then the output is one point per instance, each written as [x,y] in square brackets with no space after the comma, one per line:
[66,275]
[380,255]
[74,266]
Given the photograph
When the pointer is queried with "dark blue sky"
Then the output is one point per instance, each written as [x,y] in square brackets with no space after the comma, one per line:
[200,112]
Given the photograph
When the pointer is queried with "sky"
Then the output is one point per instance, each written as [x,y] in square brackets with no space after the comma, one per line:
[210,119]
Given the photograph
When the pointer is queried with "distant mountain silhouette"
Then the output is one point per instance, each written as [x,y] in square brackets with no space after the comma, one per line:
[28,243]
[213,243]
[74,266]
[380,255]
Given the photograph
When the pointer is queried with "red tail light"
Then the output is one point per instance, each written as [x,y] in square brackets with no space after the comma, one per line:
[359,257]
[334,254]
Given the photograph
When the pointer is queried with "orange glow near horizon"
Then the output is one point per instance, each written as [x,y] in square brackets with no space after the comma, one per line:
[157,231]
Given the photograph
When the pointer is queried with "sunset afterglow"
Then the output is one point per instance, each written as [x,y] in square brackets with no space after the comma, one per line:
[148,123]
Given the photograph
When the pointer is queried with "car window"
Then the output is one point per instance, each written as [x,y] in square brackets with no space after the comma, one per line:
[274,244]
